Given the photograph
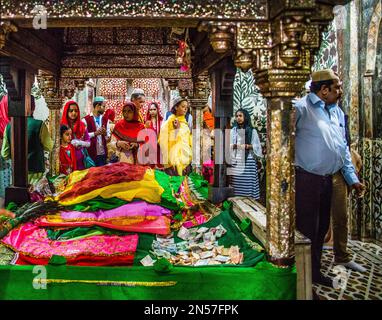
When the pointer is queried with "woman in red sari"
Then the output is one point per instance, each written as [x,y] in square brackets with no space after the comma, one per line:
[80,136]
[154,120]
[124,140]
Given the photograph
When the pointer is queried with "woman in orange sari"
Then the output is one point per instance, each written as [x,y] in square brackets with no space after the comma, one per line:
[124,140]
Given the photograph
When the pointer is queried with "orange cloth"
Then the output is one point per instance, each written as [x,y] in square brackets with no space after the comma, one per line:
[208,118]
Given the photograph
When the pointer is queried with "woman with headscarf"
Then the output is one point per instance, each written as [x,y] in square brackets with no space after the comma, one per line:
[154,117]
[153,122]
[245,147]
[175,140]
[80,136]
[208,144]
[208,118]
[124,140]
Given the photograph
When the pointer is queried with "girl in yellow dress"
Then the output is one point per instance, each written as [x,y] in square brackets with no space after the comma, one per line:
[175,141]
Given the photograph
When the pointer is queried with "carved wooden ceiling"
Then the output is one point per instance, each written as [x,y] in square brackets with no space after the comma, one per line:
[119,52]
[107,39]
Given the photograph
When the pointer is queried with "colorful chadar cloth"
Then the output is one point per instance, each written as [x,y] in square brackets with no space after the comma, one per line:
[176,144]
[137,216]
[120,180]
[34,247]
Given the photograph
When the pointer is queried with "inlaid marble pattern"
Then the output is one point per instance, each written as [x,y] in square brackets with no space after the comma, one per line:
[367,179]
[327,56]
[377,189]
[359,286]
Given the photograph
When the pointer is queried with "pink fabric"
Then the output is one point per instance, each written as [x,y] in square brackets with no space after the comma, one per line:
[31,240]
[3,114]
[161,225]
[139,208]
[199,217]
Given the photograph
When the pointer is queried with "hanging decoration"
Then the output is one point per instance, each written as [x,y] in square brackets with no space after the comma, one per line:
[183,54]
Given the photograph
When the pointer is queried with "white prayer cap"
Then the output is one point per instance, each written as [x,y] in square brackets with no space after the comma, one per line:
[138,91]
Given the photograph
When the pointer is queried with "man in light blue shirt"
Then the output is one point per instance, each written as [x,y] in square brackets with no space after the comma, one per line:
[320,152]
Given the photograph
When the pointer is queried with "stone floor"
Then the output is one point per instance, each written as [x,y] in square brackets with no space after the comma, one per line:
[358,286]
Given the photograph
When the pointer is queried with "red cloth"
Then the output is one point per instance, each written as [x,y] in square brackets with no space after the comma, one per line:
[91,126]
[128,130]
[67,164]
[99,177]
[108,115]
[3,114]
[81,260]
[78,127]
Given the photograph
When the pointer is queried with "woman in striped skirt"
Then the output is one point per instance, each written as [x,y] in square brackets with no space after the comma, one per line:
[245,147]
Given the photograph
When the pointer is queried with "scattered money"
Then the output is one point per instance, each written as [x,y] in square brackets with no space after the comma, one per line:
[148,261]
[202,230]
[198,248]
[183,233]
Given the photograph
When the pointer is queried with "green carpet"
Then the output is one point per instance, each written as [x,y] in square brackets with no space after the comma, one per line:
[262,282]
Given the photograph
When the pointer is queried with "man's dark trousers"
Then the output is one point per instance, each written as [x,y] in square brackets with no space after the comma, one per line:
[313,199]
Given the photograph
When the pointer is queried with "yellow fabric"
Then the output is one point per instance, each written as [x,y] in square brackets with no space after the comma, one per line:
[176,144]
[147,189]
[75,177]
[120,221]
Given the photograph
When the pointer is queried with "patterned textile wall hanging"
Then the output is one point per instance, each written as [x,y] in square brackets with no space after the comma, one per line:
[114,91]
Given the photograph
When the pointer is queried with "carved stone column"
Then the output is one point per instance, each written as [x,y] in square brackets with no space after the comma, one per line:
[201,85]
[50,92]
[281,52]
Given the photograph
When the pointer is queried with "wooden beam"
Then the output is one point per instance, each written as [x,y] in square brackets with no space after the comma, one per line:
[81,22]
[121,49]
[118,61]
[25,46]
[207,61]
